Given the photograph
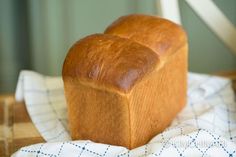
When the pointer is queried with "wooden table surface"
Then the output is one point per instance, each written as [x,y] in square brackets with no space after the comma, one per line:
[17,129]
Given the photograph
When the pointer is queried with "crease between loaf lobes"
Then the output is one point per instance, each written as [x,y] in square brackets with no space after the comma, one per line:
[110,48]
[132,76]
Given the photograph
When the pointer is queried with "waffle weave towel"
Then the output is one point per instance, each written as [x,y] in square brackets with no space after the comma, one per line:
[205,127]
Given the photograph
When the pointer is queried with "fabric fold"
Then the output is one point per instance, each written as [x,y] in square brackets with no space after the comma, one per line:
[205,127]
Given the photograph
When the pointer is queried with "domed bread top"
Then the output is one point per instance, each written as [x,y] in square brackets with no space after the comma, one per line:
[109,62]
[161,35]
[126,86]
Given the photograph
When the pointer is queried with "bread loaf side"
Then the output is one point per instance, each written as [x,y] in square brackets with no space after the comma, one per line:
[125,86]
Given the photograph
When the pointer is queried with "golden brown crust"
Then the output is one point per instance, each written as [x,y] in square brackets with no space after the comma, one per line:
[161,35]
[125,86]
[109,61]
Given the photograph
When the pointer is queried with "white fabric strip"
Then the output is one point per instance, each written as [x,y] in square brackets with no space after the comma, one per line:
[169,10]
[216,20]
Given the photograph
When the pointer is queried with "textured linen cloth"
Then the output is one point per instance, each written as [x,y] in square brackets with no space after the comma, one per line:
[205,127]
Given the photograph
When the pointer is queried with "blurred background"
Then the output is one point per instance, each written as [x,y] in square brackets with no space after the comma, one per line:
[36,34]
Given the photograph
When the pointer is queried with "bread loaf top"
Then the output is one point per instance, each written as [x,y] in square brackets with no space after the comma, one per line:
[161,35]
[109,62]
[131,48]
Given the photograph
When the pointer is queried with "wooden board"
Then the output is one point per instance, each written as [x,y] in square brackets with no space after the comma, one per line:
[2,149]
[17,129]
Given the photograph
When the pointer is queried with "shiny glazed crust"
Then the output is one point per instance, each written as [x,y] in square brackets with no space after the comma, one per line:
[125,86]
[161,35]
[108,61]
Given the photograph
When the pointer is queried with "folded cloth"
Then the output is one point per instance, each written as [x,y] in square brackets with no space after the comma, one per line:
[205,127]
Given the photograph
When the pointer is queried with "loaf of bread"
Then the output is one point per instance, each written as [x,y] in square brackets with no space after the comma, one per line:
[125,86]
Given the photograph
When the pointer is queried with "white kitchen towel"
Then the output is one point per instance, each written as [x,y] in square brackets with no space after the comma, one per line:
[205,127]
